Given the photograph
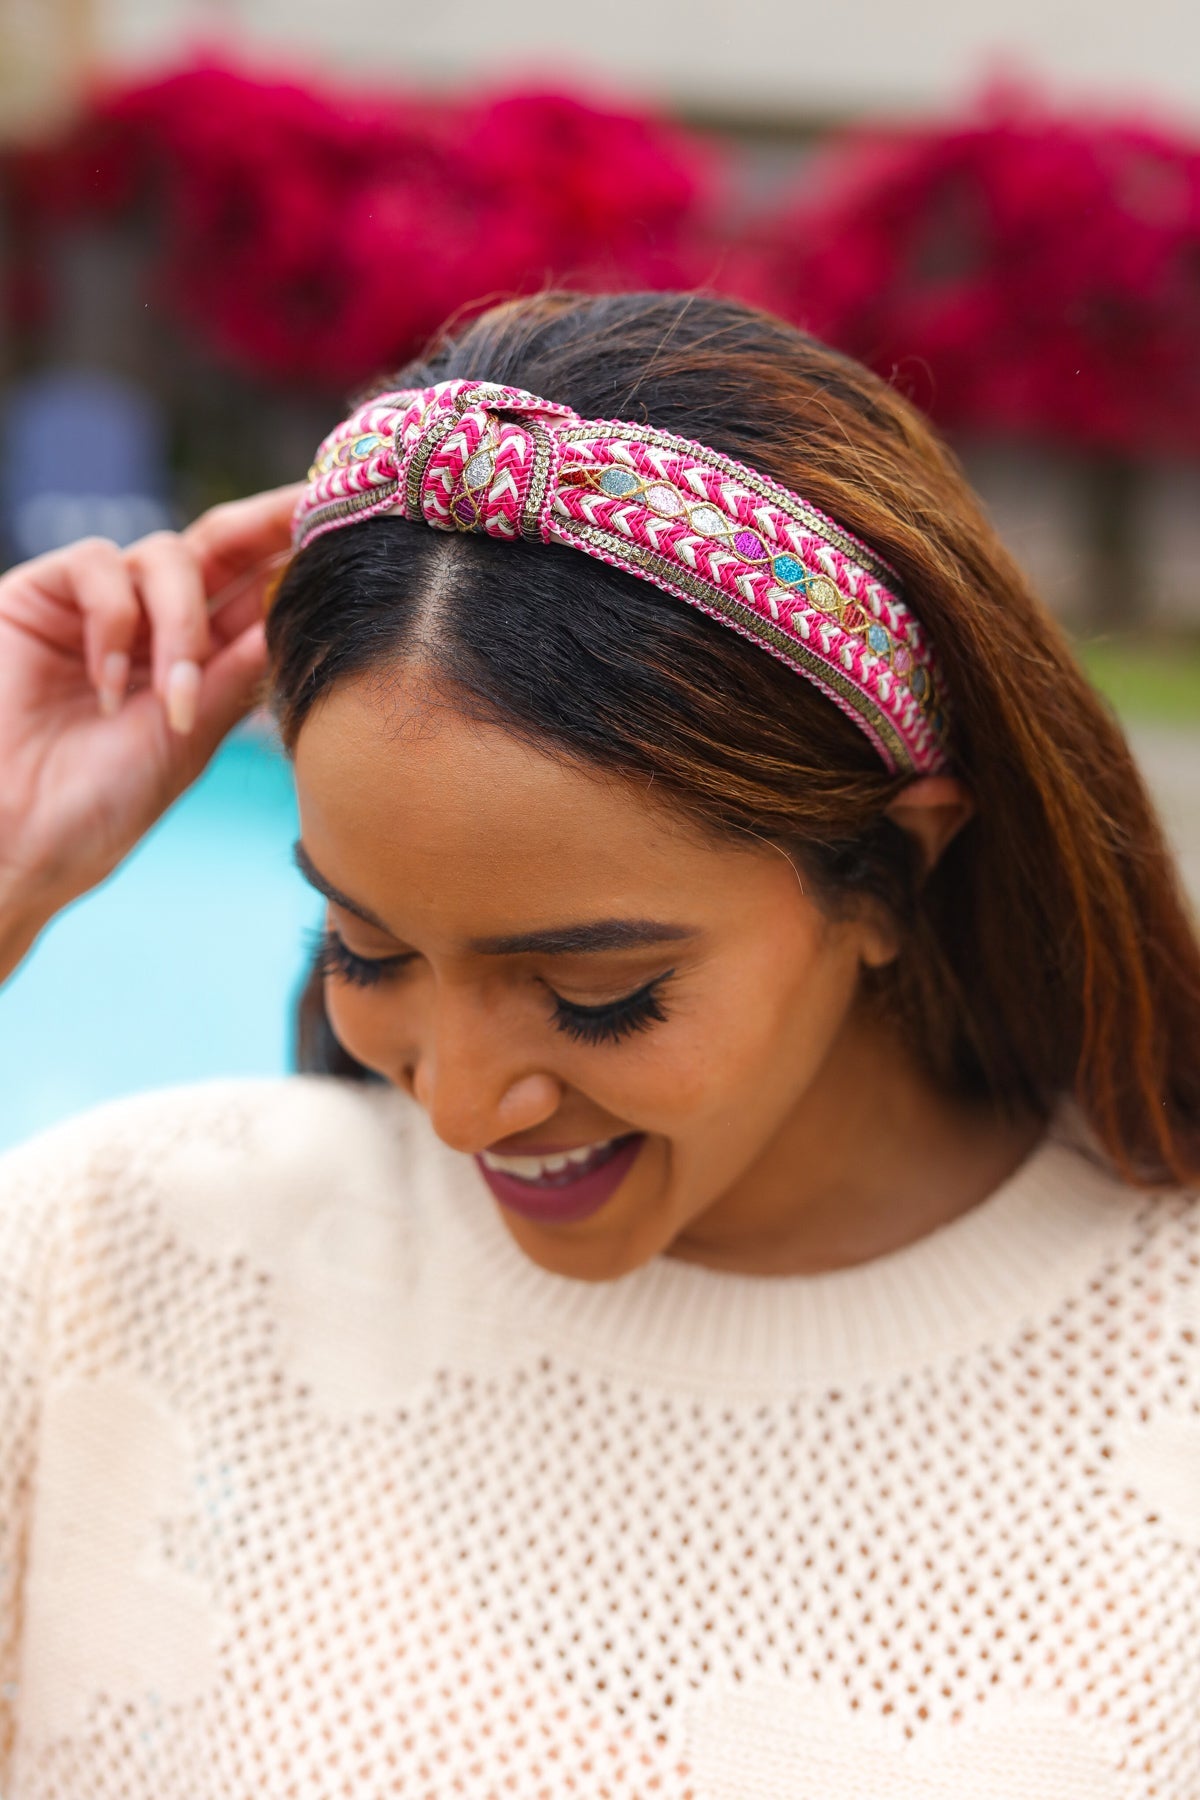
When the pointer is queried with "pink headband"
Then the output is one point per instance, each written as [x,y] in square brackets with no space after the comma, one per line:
[470,456]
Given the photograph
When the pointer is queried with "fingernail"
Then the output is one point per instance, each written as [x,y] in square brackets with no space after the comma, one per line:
[114,682]
[183,695]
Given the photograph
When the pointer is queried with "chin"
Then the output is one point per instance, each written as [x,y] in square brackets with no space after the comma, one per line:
[587,1252]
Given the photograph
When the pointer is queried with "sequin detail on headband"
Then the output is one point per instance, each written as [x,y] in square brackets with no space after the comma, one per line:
[471,456]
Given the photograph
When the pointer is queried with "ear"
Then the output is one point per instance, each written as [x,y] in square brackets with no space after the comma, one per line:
[933,809]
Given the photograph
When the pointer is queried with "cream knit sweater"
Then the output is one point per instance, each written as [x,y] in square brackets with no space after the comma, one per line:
[311,1487]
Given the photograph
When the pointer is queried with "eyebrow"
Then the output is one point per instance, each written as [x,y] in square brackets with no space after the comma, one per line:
[560,940]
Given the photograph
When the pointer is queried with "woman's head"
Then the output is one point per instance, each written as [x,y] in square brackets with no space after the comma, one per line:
[590,964]
[475,758]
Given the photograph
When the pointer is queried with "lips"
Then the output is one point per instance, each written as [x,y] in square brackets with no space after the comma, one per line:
[562,1195]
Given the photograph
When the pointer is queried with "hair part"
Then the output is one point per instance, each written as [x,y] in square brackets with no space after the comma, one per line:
[1050,951]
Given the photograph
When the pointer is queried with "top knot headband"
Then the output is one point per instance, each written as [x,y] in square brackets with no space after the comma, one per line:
[471,456]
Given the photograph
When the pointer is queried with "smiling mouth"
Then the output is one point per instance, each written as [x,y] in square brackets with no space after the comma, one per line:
[560,1170]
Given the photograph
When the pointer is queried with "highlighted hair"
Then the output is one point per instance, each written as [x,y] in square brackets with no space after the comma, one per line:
[1051,951]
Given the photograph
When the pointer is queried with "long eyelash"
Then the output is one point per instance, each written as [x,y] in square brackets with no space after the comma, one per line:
[619,1019]
[336,959]
[586,1024]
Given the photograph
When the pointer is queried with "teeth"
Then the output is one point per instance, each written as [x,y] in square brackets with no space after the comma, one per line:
[533,1168]
[517,1165]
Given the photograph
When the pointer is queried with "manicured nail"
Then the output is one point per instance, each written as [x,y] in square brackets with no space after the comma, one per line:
[183,695]
[114,682]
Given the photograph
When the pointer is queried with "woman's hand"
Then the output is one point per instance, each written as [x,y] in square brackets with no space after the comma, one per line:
[120,673]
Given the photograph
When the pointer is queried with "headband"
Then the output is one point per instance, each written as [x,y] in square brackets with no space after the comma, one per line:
[471,456]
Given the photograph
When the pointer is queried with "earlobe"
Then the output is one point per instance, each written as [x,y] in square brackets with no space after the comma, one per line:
[880,948]
[933,809]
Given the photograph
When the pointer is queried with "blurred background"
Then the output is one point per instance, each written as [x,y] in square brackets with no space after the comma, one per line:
[220,217]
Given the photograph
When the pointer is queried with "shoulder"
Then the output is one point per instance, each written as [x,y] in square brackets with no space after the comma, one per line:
[1133,1340]
[260,1116]
[247,1145]
[1141,1242]
[280,1225]
[1161,1272]
[1130,1323]
[1151,1247]
[1158,1250]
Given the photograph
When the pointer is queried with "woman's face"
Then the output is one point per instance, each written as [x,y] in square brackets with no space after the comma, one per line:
[552,961]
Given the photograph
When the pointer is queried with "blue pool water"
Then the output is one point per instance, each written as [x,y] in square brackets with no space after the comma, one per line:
[184,965]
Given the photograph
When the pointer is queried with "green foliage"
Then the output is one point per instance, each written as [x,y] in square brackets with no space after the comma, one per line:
[1149,680]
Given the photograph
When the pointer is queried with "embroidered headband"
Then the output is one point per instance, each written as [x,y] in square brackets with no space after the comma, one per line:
[471,456]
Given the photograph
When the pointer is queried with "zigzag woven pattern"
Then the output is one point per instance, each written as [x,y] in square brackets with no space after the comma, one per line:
[471,456]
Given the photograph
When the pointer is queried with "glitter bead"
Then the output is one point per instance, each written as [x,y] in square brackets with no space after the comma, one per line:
[711,522]
[790,570]
[363,446]
[824,594]
[920,683]
[902,661]
[750,545]
[618,482]
[480,469]
[664,500]
[877,638]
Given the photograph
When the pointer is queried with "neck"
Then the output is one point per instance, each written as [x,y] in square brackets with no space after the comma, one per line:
[873,1157]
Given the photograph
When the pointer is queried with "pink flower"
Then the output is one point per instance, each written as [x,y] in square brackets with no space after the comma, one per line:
[1044,270]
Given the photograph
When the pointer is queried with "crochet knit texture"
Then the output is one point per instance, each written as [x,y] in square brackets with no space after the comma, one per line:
[312,1486]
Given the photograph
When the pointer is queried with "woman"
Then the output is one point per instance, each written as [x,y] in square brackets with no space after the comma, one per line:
[747,1342]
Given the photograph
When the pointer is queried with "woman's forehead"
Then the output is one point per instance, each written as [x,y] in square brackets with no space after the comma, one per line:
[405,794]
[403,759]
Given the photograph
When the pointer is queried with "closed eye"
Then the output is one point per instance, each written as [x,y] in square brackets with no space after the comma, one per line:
[606,1024]
[335,958]
[617,1018]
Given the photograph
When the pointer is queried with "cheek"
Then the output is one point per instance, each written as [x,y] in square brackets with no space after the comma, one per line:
[760,1033]
[363,1021]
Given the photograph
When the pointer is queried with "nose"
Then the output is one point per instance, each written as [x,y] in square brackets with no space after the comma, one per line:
[475,1089]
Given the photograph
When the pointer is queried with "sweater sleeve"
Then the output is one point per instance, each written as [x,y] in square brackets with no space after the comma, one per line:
[29,1178]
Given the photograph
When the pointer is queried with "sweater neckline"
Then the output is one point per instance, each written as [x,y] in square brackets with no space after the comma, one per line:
[995,1268]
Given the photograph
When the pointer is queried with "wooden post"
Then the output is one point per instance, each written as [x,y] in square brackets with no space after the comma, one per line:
[46,54]
[1118,588]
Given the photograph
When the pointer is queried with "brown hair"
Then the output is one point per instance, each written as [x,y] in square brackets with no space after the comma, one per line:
[1050,951]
